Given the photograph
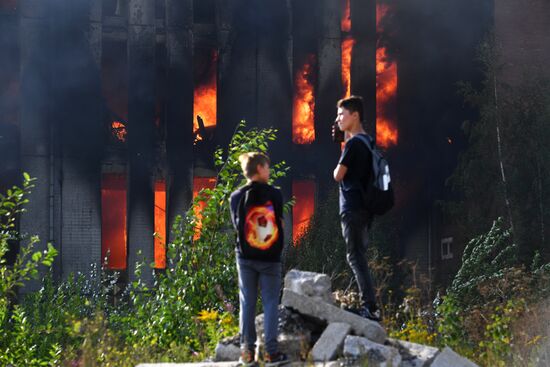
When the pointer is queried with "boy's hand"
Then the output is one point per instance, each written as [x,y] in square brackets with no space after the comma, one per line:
[337,134]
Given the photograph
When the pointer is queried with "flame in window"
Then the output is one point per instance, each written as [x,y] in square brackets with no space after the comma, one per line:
[205,99]
[160,224]
[303,127]
[118,129]
[302,211]
[386,88]
[113,221]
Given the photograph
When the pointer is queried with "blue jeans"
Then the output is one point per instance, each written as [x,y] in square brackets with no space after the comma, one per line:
[268,276]
[355,230]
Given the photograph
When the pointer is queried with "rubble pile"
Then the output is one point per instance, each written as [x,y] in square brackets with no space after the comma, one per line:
[312,328]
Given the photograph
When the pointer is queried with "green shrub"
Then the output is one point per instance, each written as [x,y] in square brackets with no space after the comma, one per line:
[487,307]
[201,273]
[20,344]
[81,320]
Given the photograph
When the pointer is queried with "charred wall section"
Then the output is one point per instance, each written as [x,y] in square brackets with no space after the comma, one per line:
[102,93]
[99,105]
[9,103]
[521,32]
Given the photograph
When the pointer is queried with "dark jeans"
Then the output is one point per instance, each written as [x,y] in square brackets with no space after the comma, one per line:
[268,276]
[355,227]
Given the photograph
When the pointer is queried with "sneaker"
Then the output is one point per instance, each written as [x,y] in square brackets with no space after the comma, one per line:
[367,313]
[277,359]
[247,358]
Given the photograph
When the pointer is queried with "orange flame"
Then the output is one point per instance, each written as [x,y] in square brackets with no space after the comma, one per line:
[303,128]
[119,130]
[160,224]
[347,48]
[302,211]
[205,97]
[386,89]
[200,183]
[346,17]
[113,220]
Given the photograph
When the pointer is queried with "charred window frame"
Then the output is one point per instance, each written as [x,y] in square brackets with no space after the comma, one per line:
[114,89]
[204,11]
[446,248]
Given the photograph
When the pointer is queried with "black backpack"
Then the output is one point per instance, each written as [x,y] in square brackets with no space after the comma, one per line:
[378,196]
[259,228]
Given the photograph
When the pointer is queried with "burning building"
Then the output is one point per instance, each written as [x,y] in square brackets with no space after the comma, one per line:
[116,106]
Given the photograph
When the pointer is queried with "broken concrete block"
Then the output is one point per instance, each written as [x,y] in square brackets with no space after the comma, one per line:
[309,284]
[287,322]
[448,358]
[330,344]
[324,311]
[359,348]
[294,334]
[413,354]
[227,352]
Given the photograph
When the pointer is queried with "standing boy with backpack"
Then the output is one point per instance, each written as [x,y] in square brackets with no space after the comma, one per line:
[354,173]
[257,214]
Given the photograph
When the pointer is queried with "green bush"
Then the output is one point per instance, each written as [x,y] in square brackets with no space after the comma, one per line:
[18,343]
[201,273]
[485,311]
[84,320]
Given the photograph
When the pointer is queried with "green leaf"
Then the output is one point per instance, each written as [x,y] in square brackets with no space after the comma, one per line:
[36,256]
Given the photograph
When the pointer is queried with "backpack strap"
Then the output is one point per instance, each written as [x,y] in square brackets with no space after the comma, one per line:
[240,207]
[367,140]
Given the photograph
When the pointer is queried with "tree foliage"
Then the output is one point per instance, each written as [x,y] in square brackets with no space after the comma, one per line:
[504,171]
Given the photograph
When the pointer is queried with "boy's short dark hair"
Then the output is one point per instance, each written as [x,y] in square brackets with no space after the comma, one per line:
[249,162]
[352,104]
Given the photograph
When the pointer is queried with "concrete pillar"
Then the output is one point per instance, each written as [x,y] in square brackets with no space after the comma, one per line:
[35,127]
[141,134]
[96,31]
[179,107]
[274,74]
[226,34]
[329,91]
[237,88]
[274,85]
[9,121]
[78,113]
[363,61]
[10,171]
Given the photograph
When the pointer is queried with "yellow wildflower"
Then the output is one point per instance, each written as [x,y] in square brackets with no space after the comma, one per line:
[206,315]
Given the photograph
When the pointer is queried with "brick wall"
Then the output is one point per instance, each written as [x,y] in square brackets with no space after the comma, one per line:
[522,30]
[81,230]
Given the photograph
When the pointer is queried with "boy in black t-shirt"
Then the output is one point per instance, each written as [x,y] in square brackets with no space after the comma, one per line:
[257,213]
[351,173]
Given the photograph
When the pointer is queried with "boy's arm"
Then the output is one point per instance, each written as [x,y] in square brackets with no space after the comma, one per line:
[344,162]
[339,172]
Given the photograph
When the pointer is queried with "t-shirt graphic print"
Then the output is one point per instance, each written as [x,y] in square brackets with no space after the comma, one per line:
[260,226]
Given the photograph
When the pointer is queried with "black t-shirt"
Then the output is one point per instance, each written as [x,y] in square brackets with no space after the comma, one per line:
[276,198]
[358,159]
